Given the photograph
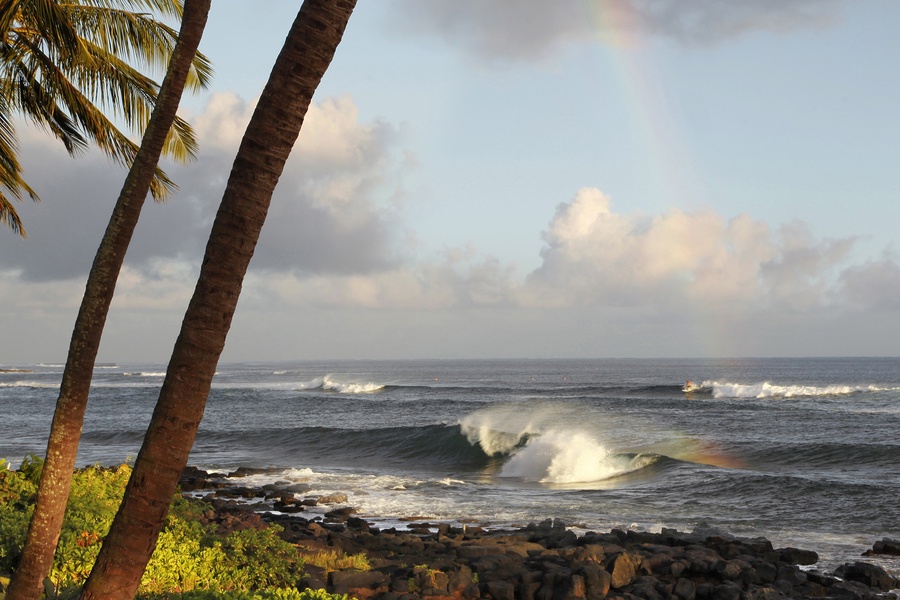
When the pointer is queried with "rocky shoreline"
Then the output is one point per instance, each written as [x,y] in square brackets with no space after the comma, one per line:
[541,561]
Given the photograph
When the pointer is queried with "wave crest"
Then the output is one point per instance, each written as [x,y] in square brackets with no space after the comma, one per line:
[773,390]
[350,388]
[538,447]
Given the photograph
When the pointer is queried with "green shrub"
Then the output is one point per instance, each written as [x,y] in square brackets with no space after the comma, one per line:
[17,495]
[191,560]
[261,559]
[93,502]
[336,560]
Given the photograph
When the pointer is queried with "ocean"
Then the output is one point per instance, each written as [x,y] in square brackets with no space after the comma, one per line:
[804,452]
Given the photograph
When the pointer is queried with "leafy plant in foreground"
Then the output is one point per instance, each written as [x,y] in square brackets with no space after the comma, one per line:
[191,560]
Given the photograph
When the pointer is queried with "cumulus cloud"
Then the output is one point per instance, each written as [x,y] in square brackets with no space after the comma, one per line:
[533,29]
[65,227]
[594,255]
[333,210]
[458,280]
[872,285]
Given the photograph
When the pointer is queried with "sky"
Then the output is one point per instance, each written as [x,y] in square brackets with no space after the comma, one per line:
[516,179]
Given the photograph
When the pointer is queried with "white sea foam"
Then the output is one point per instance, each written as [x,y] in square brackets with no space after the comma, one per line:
[772,390]
[544,445]
[499,430]
[30,384]
[316,383]
[350,388]
[565,456]
[312,384]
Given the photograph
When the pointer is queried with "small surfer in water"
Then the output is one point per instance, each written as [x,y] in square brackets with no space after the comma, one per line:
[688,385]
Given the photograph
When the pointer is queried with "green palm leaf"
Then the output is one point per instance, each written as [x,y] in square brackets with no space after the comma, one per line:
[76,68]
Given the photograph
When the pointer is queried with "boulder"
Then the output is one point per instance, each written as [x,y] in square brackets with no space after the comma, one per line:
[685,589]
[337,498]
[885,546]
[340,514]
[623,569]
[501,590]
[868,574]
[796,556]
[354,582]
[247,471]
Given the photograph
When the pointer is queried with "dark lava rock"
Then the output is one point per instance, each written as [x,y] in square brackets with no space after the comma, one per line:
[886,546]
[867,574]
[547,561]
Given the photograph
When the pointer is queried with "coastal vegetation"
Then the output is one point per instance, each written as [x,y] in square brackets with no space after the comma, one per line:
[194,559]
[123,556]
[98,38]
[80,69]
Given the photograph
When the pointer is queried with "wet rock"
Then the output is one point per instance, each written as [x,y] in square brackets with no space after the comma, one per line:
[795,556]
[500,590]
[791,575]
[297,488]
[685,589]
[340,514]
[869,575]
[337,498]
[547,561]
[248,471]
[885,546]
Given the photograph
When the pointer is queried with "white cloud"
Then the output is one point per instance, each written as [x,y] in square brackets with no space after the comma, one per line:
[336,203]
[334,209]
[595,256]
[874,285]
[600,259]
[223,121]
[164,285]
[533,29]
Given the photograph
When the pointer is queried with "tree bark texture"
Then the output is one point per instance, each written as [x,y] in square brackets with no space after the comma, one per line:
[68,418]
[268,140]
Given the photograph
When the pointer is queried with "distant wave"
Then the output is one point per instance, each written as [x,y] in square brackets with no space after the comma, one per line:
[328,383]
[350,388]
[772,390]
[325,383]
[31,384]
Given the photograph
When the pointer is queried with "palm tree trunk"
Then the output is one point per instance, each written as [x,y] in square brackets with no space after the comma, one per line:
[273,129]
[65,433]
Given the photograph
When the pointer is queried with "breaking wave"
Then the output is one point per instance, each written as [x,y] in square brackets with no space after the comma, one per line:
[773,390]
[536,448]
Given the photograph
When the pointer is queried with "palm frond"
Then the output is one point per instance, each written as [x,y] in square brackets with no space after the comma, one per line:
[45,18]
[166,8]
[72,66]
[135,37]
[9,216]
[10,172]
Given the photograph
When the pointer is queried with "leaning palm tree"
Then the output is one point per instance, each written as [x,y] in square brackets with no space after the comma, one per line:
[270,135]
[62,447]
[65,63]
